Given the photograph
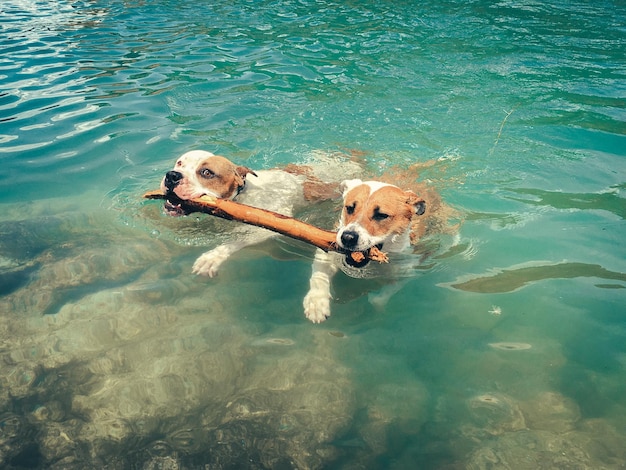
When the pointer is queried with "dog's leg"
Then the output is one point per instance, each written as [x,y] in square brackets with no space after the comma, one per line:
[208,263]
[317,301]
[380,298]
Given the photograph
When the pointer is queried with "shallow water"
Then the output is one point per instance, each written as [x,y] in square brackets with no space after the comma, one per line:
[506,351]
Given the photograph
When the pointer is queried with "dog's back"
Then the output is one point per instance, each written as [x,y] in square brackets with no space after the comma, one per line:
[274,190]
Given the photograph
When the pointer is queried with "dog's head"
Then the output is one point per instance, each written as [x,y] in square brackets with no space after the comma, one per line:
[198,173]
[376,214]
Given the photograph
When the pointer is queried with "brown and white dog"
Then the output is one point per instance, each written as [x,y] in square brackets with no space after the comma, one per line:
[198,173]
[374,214]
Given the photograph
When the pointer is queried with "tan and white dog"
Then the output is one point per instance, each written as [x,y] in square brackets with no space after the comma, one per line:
[374,214]
[198,173]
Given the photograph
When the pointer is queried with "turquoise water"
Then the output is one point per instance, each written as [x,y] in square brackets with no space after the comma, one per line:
[507,352]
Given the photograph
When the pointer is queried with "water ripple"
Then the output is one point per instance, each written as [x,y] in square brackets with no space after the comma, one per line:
[208,75]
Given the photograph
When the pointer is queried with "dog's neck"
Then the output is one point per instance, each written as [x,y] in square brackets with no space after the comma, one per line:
[398,242]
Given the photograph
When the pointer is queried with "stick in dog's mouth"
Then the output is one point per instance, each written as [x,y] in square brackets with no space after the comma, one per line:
[231,210]
[359,259]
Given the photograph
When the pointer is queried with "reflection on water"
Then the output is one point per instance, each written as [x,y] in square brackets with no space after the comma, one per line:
[508,280]
[607,201]
[511,346]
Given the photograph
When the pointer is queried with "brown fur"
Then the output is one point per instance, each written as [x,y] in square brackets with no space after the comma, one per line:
[223,178]
[365,208]
[439,218]
[314,188]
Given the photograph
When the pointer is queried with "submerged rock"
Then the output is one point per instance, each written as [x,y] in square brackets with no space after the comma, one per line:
[532,450]
[494,414]
[551,411]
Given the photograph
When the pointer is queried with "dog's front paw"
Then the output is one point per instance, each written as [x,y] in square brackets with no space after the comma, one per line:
[317,306]
[208,263]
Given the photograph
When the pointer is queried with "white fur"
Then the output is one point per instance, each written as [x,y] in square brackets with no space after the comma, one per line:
[347,185]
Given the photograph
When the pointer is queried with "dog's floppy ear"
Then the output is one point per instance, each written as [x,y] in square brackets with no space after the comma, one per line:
[419,205]
[347,185]
[243,171]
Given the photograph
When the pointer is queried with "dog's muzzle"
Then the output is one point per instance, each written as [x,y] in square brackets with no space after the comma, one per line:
[172,178]
[173,204]
[349,240]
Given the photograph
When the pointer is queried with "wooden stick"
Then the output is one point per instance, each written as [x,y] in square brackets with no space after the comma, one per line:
[231,210]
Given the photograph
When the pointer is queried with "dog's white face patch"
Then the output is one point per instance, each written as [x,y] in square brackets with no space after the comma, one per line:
[202,173]
[376,213]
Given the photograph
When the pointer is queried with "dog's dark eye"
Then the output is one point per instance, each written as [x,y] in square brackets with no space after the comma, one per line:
[206,173]
[350,209]
[378,215]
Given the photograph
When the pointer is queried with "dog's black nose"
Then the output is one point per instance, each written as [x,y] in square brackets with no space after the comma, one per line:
[349,238]
[172,178]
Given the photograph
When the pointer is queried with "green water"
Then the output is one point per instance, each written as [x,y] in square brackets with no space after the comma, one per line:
[507,351]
